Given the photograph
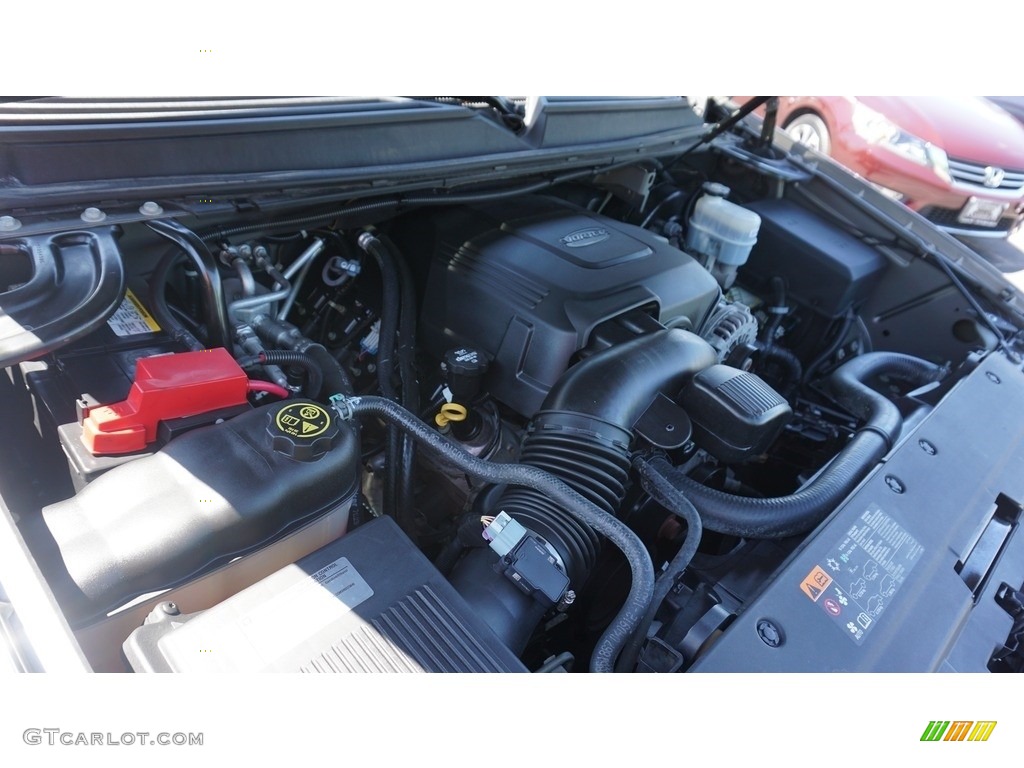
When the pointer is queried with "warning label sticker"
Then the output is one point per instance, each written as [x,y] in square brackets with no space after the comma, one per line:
[256,629]
[303,420]
[131,318]
[862,573]
[815,583]
[305,608]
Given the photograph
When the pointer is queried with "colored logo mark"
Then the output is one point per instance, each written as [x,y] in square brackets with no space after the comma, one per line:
[958,730]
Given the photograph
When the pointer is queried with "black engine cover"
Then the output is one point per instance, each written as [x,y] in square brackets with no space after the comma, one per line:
[527,281]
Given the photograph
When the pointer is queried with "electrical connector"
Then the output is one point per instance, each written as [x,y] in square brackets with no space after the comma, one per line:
[504,534]
[526,560]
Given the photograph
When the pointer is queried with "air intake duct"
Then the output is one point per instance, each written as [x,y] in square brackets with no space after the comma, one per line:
[582,436]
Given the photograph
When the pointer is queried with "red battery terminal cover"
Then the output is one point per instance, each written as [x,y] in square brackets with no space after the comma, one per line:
[165,387]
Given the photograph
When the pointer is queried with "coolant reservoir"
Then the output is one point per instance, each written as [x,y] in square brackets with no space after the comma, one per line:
[723,232]
[209,496]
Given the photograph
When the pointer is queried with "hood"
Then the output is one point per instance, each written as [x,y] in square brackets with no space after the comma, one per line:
[966,127]
[77,152]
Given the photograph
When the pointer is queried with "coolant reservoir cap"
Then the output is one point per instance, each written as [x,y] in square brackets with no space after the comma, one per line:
[301,430]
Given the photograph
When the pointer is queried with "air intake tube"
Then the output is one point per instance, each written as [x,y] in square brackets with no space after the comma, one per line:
[582,436]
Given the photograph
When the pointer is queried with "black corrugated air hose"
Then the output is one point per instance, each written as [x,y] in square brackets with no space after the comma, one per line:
[582,436]
[584,428]
[574,505]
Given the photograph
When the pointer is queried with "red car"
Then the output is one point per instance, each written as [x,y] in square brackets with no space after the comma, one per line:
[957,160]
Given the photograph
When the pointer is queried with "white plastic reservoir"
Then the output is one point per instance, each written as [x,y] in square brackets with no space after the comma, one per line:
[722,230]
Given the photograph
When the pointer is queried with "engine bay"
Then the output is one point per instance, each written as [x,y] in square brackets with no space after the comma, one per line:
[708,416]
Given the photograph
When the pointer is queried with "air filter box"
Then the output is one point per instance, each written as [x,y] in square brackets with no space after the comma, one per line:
[368,602]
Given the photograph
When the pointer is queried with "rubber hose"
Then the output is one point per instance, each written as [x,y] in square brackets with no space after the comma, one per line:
[848,386]
[314,373]
[406,370]
[663,492]
[775,317]
[218,334]
[782,516]
[162,313]
[641,589]
[335,380]
[823,358]
[792,370]
[389,316]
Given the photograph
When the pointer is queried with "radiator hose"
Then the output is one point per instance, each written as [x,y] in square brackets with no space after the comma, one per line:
[782,516]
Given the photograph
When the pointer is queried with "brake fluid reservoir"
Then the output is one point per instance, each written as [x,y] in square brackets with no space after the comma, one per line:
[722,232]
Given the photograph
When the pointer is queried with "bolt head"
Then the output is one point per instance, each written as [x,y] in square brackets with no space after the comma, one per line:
[93,215]
[894,483]
[150,208]
[9,224]
[769,633]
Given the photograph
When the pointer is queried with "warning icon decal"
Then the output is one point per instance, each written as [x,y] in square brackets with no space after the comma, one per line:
[303,420]
[815,583]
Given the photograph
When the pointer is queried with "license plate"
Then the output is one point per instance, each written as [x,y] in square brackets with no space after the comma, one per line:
[984,213]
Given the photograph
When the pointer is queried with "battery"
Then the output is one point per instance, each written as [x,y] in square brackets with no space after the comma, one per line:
[99,370]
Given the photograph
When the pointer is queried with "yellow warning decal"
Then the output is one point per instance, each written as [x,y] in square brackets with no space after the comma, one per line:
[303,420]
[147,318]
[132,318]
[815,583]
